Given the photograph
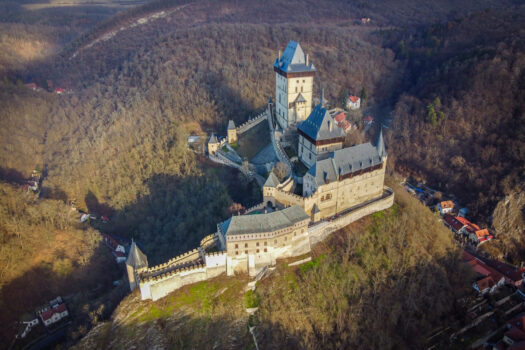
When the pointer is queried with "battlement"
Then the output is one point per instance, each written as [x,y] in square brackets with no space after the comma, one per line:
[215,254]
[251,123]
[209,241]
[173,273]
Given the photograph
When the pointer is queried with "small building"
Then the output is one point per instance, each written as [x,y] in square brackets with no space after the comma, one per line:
[318,134]
[453,223]
[232,132]
[213,144]
[53,315]
[488,285]
[60,91]
[514,338]
[445,207]
[368,120]
[479,236]
[113,243]
[353,102]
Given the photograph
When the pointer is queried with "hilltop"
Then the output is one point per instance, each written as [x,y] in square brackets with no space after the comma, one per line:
[339,299]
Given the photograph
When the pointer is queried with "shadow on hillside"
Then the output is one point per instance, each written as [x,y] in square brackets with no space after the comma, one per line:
[84,289]
[12,175]
[178,212]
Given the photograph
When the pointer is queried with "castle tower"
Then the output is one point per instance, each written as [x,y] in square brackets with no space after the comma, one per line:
[232,132]
[213,144]
[294,84]
[136,260]
[381,150]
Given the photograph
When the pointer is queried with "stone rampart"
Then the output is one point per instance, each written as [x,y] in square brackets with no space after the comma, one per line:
[251,123]
[255,207]
[320,231]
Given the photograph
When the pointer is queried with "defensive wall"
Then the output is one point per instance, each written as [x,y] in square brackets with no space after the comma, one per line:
[251,123]
[320,231]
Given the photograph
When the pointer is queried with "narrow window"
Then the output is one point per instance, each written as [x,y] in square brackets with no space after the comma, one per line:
[257,250]
[236,246]
[236,253]
[265,250]
[257,244]
[245,245]
[246,252]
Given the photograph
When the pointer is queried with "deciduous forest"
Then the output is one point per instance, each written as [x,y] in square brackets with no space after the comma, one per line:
[446,80]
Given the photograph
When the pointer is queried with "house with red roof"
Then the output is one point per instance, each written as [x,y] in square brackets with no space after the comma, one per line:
[514,338]
[368,120]
[489,278]
[445,207]
[453,223]
[480,236]
[353,102]
[118,250]
[53,315]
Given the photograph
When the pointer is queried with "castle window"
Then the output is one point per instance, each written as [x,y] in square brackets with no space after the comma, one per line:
[275,241]
[297,81]
[246,252]
[285,238]
[301,89]
[245,245]
[296,89]
[257,244]
[236,253]
[257,250]
[265,250]
[265,243]
[236,246]
[303,80]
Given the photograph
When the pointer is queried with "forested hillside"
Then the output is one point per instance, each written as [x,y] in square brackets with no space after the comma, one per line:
[449,75]
[461,121]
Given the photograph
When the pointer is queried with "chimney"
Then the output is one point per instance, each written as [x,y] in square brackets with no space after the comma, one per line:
[307,59]
[279,57]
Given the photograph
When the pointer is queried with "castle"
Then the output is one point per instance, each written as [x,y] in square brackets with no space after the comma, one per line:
[340,186]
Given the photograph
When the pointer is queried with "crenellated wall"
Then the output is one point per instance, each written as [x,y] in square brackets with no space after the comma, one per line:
[251,123]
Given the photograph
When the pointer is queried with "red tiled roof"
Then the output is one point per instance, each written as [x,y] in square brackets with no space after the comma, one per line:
[345,125]
[481,268]
[112,242]
[447,204]
[354,99]
[339,117]
[46,315]
[485,283]
[511,272]
[453,222]
[482,233]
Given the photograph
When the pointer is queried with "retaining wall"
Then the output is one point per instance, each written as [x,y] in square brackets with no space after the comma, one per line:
[320,231]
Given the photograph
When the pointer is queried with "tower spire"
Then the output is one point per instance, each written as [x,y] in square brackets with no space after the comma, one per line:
[381,144]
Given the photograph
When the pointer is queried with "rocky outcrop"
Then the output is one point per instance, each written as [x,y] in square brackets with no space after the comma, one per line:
[508,217]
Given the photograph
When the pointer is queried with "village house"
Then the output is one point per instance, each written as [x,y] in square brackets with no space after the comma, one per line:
[480,236]
[445,207]
[340,118]
[318,134]
[54,314]
[294,82]
[353,102]
[368,120]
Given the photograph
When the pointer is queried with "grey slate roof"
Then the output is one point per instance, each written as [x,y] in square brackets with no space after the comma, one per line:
[213,139]
[381,150]
[316,125]
[300,98]
[344,161]
[293,60]
[259,223]
[231,125]
[272,181]
[136,257]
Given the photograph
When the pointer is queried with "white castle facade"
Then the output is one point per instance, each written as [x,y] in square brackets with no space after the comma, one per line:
[340,186]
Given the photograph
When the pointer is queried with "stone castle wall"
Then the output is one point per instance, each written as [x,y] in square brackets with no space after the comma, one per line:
[251,123]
